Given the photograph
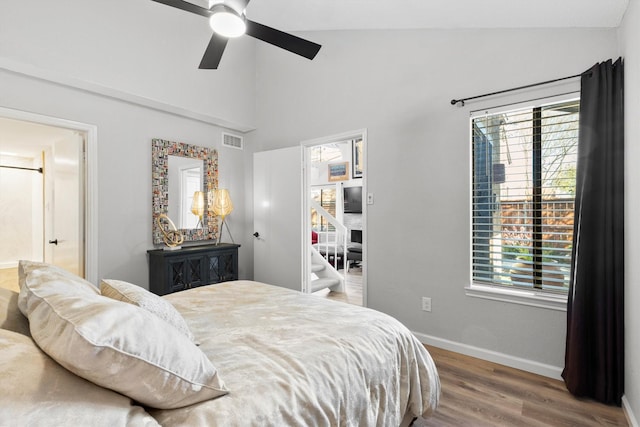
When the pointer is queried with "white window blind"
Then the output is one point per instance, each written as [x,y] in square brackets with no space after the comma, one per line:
[524,165]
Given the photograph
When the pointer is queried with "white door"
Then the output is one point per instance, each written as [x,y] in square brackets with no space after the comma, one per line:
[277,206]
[64,204]
[190,182]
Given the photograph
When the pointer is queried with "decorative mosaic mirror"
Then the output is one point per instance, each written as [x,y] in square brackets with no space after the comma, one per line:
[178,171]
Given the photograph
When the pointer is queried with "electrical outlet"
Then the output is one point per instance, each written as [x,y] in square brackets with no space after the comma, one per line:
[426,304]
[369,198]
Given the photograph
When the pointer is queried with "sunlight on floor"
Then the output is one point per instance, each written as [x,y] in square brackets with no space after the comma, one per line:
[9,278]
[353,295]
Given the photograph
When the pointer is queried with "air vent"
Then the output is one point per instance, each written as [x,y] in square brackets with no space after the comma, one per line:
[233,141]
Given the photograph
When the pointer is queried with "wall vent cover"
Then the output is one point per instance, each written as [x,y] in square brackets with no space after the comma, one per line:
[233,141]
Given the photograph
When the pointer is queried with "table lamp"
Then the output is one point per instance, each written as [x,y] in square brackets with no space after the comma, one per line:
[197,206]
[221,205]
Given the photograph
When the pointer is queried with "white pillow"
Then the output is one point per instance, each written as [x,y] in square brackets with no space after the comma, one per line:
[36,391]
[133,294]
[116,345]
[26,267]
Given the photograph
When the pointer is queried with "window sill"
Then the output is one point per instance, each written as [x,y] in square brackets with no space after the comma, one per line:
[517,296]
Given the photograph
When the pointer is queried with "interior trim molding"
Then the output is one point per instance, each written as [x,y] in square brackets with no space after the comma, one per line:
[518,296]
[11,264]
[528,365]
[306,183]
[90,181]
[120,95]
[628,412]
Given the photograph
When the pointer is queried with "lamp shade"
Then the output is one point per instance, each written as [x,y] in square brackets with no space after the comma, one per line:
[221,204]
[197,205]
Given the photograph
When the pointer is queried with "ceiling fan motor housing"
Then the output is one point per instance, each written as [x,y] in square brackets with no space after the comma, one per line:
[226,21]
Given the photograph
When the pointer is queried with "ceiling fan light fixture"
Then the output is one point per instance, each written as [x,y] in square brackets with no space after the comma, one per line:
[226,21]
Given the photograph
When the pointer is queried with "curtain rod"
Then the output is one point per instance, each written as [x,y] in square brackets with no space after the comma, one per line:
[455,101]
[25,169]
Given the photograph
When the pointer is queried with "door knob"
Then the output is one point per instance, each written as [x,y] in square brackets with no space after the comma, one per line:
[256,235]
[54,242]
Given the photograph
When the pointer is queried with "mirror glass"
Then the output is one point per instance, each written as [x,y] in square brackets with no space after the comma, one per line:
[185,178]
[178,171]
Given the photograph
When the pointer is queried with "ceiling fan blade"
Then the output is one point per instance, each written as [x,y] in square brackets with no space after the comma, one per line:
[214,52]
[189,7]
[284,40]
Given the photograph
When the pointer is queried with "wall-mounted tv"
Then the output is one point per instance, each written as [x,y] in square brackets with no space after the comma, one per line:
[353,200]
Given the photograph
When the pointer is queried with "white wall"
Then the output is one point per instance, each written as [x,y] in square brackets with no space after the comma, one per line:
[630,47]
[124,166]
[138,50]
[138,47]
[17,189]
[399,85]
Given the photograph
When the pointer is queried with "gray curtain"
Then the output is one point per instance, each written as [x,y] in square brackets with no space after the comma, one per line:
[594,358]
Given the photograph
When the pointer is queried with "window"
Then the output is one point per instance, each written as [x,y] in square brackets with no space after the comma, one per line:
[326,153]
[524,174]
[326,197]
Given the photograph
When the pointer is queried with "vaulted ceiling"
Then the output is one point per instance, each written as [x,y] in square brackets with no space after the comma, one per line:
[313,15]
[321,15]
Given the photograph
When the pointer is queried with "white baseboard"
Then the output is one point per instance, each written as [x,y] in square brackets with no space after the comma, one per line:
[9,264]
[513,362]
[633,421]
[493,356]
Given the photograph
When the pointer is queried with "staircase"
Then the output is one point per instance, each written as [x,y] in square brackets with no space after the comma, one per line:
[323,273]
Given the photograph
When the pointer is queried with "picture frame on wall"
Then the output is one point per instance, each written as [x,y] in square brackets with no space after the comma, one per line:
[338,171]
[357,154]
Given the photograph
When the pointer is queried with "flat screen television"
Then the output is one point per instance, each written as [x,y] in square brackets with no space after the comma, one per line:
[353,200]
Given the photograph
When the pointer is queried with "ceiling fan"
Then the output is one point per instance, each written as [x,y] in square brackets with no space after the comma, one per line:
[228,19]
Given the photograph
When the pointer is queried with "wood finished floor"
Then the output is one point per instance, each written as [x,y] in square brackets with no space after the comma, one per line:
[9,278]
[479,393]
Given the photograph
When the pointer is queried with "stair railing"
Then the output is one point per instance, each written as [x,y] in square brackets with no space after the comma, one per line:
[339,240]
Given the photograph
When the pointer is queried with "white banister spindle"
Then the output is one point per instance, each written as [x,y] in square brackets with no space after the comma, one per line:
[339,239]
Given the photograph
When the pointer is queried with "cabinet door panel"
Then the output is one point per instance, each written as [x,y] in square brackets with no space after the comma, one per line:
[195,270]
[176,274]
[222,267]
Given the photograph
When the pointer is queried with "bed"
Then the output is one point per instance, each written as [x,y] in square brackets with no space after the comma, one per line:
[238,353]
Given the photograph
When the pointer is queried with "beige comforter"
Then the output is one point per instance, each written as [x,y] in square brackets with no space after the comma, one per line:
[291,359]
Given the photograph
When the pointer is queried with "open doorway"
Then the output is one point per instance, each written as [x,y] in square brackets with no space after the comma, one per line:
[335,182]
[46,213]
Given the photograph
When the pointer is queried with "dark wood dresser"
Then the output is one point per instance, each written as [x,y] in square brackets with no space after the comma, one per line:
[191,266]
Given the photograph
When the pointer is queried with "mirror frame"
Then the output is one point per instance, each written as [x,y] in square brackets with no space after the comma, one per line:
[160,151]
